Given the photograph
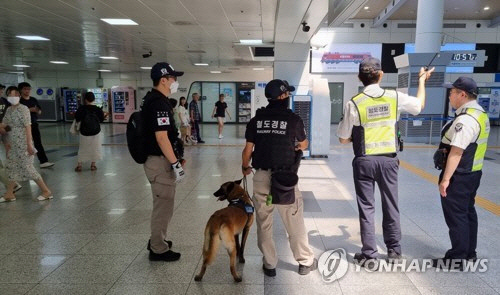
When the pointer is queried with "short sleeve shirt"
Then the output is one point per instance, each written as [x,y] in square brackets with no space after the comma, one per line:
[220,110]
[406,103]
[158,117]
[298,132]
[193,107]
[31,102]
[464,129]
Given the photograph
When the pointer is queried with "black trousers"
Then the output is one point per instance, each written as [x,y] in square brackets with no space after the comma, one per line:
[197,128]
[37,140]
[460,213]
[382,170]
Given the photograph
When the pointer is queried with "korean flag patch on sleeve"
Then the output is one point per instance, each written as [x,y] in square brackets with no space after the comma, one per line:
[162,118]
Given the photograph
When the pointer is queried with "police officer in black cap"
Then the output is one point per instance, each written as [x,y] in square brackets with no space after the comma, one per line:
[463,146]
[272,138]
[163,167]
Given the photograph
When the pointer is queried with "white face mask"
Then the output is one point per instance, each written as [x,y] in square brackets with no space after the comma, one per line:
[173,87]
[13,100]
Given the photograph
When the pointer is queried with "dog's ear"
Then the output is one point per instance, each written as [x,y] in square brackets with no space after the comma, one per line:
[238,181]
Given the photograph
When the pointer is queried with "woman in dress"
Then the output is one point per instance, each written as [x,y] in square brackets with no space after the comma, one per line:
[90,149]
[185,127]
[220,111]
[20,148]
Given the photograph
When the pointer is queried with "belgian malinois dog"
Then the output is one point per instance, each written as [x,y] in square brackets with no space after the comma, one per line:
[226,225]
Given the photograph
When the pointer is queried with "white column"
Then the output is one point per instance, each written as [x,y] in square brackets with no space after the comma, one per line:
[291,63]
[429,26]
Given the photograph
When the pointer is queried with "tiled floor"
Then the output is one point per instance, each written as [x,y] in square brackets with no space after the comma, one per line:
[91,238]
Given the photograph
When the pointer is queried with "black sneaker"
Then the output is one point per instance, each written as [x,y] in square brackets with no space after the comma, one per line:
[393,255]
[472,257]
[448,264]
[270,272]
[201,141]
[304,270]
[363,260]
[169,243]
[167,256]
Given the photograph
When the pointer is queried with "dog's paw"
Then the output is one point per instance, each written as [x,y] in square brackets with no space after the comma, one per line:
[198,278]
[238,279]
[242,260]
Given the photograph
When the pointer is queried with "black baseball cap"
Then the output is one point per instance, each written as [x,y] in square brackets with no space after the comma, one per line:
[370,64]
[277,87]
[162,69]
[464,83]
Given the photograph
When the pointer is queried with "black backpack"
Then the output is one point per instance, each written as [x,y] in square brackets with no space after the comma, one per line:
[136,138]
[90,124]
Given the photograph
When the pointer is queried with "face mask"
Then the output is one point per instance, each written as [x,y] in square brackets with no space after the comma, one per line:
[13,100]
[173,87]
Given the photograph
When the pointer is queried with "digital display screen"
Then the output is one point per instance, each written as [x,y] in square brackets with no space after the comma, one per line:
[464,56]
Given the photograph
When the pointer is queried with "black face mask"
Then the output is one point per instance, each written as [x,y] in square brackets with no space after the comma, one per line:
[281,103]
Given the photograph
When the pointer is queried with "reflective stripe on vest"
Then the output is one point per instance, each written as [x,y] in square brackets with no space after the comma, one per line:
[377,117]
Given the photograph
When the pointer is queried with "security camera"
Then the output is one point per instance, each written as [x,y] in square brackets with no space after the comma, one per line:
[305,27]
[146,55]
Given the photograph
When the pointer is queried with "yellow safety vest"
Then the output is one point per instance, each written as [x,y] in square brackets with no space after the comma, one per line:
[376,134]
[473,156]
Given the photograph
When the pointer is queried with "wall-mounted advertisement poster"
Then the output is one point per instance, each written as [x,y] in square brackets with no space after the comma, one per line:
[342,58]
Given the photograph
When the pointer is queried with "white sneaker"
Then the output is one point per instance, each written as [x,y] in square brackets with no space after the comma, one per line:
[46,165]
[220,136]
[17,187]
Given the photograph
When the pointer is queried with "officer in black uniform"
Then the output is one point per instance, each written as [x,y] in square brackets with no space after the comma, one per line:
[460,156]
[164,166]
[271,138]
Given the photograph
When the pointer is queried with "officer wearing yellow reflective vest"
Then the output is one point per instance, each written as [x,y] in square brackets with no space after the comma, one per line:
[463,143]
[369,122]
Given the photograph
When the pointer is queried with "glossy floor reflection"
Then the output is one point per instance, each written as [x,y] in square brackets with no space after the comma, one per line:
[91,238]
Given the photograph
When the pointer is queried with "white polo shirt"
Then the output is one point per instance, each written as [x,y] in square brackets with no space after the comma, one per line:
[464,129]
[406,103]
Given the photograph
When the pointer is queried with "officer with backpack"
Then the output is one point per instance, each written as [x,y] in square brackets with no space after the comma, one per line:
[163,167]
[90,117]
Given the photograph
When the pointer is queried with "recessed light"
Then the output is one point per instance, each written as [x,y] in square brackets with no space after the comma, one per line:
[21,66]
[104,70]
[215,72]
[120,21]
[486,8]
[250,41]
[108,57]
[200,64]
[146,68]
[366,7]
[58,62]
[33,38]
[258,69]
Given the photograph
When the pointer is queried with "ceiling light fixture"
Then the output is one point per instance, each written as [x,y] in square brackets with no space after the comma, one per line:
[146,68]
[486,8]
[258,69]
[200,64]
[250,41]
[16,73]
[366,7]
[215,72]
[108,57]
[146,55]
[104,70]
[33,38]
[119,21]
[21,66]
[58,62]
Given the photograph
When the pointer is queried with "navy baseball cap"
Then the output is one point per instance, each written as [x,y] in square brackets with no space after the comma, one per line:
[370,64]
[276,88]
[163,69]
[464,83]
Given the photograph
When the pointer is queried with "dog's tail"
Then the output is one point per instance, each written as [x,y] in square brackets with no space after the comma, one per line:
[211,244]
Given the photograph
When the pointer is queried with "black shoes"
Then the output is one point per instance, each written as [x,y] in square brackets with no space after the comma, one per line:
[167,256]
[452,264]
[393,255]
[270,272]
[169,243]
[365,261]
[304,270]
[201,141]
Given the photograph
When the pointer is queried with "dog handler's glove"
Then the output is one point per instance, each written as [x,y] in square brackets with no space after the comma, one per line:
[178,171]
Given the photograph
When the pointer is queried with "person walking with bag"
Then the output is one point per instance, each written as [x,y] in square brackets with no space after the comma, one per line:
[270,144]
[89,116]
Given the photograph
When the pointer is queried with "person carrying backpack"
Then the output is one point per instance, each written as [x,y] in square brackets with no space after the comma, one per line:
[90,118]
